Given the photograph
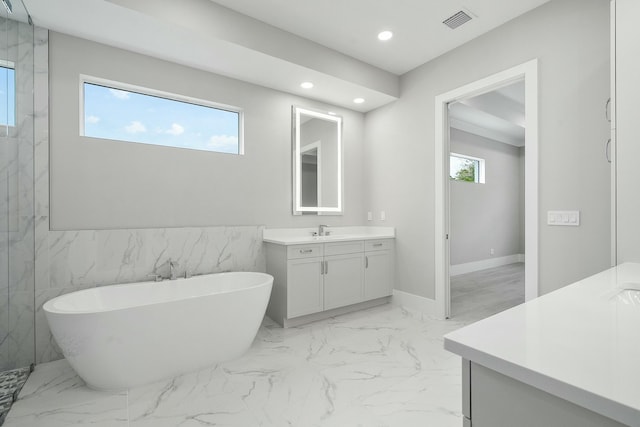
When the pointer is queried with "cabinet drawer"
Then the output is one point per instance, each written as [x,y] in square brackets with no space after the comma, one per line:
[378,245]
[339,248]
[304,251]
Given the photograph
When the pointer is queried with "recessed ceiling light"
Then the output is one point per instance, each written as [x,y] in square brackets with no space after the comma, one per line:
[385,35]
[358,100]
[306,85]
[332,113]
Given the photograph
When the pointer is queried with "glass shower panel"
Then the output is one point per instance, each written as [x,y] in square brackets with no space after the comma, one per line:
[4,210]
[17,318]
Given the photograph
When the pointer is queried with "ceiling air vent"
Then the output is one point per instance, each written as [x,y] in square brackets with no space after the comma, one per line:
[457,19]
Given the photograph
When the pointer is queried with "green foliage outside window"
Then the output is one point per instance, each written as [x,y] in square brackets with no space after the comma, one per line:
[467,173]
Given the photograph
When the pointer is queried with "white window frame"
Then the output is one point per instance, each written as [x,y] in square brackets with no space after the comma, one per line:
[160,94]
[479,172]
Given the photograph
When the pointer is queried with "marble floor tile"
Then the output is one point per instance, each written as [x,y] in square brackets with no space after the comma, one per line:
[55,396]
[109,411]
[384,366]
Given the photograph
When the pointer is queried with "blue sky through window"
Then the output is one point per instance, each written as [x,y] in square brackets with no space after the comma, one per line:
[134,117]
[7,96]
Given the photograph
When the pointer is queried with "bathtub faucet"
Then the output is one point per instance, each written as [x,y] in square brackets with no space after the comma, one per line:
[173,269]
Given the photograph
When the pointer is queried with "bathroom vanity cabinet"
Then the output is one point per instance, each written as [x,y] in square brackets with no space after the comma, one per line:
[568,358]
[492,399]
[317,280]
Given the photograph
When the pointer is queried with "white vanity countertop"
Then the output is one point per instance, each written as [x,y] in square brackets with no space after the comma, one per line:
[580,343]
[299,236]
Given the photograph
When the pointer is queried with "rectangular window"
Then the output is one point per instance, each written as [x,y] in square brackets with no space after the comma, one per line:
[7,94]
[466,168]
[126,113]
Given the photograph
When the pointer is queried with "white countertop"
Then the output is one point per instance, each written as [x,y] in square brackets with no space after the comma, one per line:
[299,236]
[580,343]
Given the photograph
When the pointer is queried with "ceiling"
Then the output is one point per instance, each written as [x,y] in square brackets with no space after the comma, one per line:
[351,27]
[497,115]
[281,43]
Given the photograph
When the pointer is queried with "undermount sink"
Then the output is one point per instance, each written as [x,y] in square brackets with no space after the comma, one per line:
[628,294]
[628,297]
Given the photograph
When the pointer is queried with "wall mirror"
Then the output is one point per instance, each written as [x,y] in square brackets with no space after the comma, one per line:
[317,162]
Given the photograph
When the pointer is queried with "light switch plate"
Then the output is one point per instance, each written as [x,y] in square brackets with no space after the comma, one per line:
[566,218]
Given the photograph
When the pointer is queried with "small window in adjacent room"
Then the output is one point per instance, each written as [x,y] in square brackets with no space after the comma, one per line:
[7,94]
[466,168]
[126,113]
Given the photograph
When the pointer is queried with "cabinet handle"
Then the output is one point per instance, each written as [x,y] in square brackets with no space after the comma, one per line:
[306,251]
[366,262]
[321,267]
[375,245]
[607,111]
[607,150]
[326,267]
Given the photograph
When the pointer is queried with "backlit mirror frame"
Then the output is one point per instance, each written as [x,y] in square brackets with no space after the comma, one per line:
[298,209]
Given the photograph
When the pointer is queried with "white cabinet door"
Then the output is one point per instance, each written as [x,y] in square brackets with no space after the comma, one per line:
[627,131]
[378,274]
[304,286]
[343,280]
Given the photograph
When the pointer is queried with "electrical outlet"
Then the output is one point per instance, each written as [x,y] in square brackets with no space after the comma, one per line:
[369,216]
[383,216]
[492,252]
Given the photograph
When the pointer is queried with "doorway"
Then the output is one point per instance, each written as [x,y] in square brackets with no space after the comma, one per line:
[486,202]
[526,72]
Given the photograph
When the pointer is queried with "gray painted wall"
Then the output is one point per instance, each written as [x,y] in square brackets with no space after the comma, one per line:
[102,184]
[485,216]
[571,40]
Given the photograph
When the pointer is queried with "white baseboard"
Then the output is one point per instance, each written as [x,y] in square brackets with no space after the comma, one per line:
[414,302]
[470,267]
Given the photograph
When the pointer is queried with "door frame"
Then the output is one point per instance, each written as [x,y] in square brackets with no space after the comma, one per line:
[529,72]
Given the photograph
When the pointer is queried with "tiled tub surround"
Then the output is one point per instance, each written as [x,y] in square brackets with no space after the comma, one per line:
[378,367]
[87,258]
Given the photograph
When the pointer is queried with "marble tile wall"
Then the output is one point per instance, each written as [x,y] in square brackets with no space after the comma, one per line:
[17,205]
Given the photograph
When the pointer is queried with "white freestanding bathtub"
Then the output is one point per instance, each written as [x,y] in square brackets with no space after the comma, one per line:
[120,336]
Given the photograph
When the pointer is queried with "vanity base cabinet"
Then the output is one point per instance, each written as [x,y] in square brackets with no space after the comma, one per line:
[343,280]
[332,278]
[496,400]
[379,268]
[305,292]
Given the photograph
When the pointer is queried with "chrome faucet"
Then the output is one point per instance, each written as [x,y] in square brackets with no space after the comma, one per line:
[173,269]
[321,230]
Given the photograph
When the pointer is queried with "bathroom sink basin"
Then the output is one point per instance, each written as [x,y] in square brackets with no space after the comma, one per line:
[628,294]
[629,297]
